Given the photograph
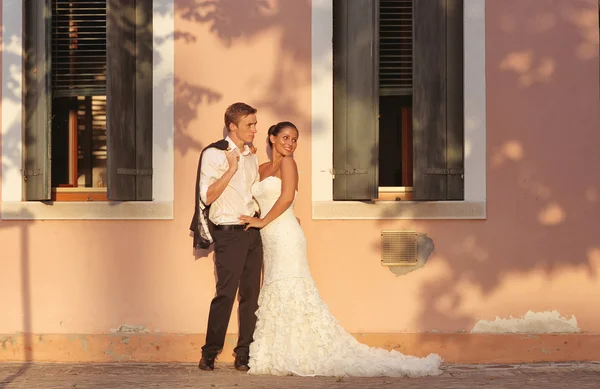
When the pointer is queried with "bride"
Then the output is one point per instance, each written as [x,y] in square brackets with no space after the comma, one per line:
[296,334]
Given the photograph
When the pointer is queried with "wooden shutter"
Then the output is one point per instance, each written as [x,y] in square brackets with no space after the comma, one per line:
[38,99]
[356,96]
[395,47]
[129,99]
[438,100]
[78,48]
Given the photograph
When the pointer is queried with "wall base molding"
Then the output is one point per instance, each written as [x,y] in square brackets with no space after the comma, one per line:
[157,347]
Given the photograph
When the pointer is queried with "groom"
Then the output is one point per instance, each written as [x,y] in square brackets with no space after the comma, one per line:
[226,179]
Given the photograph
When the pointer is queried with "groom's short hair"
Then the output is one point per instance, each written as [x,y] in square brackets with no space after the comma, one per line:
[236,111]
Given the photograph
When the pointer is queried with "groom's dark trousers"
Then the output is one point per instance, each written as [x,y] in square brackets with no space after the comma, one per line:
[238,262]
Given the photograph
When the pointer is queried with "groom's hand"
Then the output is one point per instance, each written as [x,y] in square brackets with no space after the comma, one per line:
[232,159]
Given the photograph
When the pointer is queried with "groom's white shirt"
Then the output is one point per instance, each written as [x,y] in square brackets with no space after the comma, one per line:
[236,200]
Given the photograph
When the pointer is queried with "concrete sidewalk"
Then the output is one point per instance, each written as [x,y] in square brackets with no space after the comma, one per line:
[130,375]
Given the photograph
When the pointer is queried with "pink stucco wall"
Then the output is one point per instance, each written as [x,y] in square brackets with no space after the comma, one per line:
[538,250]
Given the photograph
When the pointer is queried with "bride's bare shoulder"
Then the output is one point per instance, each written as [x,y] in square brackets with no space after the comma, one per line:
[263,170]
[289,162]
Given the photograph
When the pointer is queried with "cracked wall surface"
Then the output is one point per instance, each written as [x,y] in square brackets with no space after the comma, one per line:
[531,323]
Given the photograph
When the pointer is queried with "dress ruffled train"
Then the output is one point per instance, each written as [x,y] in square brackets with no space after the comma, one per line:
[296,334]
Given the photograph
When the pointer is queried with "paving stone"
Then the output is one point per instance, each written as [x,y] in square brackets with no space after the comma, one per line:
[183,376]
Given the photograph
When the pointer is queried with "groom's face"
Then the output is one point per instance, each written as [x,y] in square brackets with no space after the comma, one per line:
[245,129]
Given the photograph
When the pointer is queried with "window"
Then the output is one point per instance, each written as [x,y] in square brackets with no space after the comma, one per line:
[395,99]
[88,100]
[398,100]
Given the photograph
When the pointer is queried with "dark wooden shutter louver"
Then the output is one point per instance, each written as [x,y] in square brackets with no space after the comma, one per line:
[395,47]
[356,96]
[438,123]
[129,100]
[78,48]
[37,99]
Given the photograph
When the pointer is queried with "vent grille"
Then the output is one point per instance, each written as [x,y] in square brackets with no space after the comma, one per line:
[78,48]
[395,47]
[399,248]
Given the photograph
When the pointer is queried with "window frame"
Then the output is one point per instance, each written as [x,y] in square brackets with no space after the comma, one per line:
[81,92]
[398,89]
[13,204]
[71,192]
[474,204]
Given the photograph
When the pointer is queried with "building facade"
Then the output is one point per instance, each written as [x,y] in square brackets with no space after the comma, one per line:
[448,160]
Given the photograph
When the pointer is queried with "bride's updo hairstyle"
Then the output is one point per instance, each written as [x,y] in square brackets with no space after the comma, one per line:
[276,128]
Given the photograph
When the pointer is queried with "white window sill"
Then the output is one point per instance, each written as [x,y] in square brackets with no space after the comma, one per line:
[88,210]
[349,210]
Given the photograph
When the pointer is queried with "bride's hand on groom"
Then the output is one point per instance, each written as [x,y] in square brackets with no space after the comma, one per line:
[252,222]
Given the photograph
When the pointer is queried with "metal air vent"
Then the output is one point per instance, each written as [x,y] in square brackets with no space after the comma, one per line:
[399,248]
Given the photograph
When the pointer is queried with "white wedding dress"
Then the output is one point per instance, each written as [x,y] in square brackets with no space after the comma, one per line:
[296,334]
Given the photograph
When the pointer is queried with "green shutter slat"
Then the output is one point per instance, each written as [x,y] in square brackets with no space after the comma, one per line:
[356,94]
[37,99]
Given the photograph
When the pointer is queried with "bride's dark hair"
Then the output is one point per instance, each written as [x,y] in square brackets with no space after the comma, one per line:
[276,128]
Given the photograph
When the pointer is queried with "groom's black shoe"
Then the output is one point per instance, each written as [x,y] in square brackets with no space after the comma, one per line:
[241,363]
[207,362]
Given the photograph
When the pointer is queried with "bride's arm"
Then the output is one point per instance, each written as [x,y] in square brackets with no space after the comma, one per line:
[289,183]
